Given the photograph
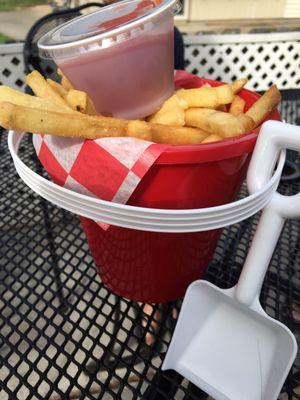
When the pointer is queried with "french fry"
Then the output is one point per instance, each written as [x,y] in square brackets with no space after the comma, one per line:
[42,89]
[238,85]
[208,97]
[212,138]
[32,120]
[175,117]
[264,105]
[190,116]
[64,80]
[57,87]
[237,106]
[158,133]
[28,119]
[218,122]
[198,117]
[21,99]
[171,113]
[139,129]
[77,100]
[246,122]
[178,136]
[66,86]
[109,121]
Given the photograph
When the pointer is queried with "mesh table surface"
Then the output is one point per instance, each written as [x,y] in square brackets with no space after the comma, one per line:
[63,335]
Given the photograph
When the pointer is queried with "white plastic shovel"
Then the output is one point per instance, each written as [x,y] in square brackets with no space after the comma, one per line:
[224,342]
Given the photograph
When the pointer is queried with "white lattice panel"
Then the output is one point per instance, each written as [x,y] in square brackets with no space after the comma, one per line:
[12,65]
[263,58]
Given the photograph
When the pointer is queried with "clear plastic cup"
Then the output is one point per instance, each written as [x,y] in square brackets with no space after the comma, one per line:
[121,55]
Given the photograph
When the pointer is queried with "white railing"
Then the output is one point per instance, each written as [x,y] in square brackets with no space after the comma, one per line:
[264,58]
[12,65]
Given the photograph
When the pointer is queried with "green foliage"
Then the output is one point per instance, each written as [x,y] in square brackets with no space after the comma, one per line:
[4,38]
[9,5]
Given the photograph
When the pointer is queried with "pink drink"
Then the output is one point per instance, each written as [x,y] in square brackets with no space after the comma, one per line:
[121,55]
[130,79]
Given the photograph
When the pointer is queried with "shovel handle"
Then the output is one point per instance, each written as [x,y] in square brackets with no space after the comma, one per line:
[274,137]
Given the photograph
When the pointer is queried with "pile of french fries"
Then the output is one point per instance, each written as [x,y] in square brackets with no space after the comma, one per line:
[189,116]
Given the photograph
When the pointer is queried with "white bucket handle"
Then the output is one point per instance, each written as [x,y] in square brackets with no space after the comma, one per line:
[273,137]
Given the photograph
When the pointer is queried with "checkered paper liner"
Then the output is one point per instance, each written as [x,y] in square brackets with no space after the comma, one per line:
[107,168]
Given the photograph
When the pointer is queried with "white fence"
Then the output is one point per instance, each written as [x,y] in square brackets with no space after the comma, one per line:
[264,58]
[12,65]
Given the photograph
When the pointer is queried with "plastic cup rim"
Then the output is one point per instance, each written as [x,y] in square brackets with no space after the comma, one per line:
[105,35]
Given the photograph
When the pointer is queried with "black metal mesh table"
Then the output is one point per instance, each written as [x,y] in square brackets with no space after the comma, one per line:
[63,335]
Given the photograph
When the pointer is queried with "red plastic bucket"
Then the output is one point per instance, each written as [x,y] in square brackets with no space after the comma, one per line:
[158,267]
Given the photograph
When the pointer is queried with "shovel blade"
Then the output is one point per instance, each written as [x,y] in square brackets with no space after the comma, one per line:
[227,349]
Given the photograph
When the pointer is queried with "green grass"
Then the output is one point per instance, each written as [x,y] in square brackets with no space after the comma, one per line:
[4,38]
[9,5]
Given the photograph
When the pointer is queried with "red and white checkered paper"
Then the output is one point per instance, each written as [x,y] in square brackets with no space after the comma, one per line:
[108,168]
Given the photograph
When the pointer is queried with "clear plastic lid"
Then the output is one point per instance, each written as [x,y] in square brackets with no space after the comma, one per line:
[103,28]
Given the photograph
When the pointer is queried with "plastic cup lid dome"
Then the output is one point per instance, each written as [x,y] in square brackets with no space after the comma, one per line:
[113,23]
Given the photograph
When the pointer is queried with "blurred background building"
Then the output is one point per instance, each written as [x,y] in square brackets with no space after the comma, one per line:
[196,16]
[207,15]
